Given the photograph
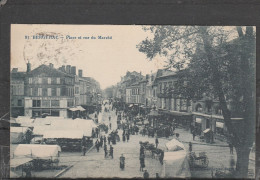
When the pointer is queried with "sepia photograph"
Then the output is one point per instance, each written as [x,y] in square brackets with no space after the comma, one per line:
[132,101]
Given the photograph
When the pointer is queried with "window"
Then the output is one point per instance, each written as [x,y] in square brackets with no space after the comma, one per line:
[30,80]
[30,91]
[58,80]
[39,91]
[49,80]
[36,103]
[46,103]
[76,90]
[55,103]
[19,103]
[39,80]
[44,92]
[58,91]
[49,91]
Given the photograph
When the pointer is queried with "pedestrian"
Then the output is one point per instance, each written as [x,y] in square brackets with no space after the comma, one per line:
[105,150]
[123,138]
[109,139]
[142,162]
[193,134]
[101,141]
[127,136]
[122,162]
[146,174]
[111,151]
[190,146]
[231,148]
[141,150]
[84,145]
[161,157]
[156,142]
[109,118]
[97,145]
[105,140]
[110,126]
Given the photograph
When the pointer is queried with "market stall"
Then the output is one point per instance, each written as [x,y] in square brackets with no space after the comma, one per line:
[43,156]
[175,164]
[19,134]
[68,140]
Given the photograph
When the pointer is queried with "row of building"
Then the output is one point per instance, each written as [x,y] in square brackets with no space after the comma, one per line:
[156,90]
[51,91]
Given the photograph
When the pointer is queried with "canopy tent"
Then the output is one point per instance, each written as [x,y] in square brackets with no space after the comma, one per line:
[63,134]
[174,145]
[206,131]
[73,109]
[146,121]
[88,122]
[39,130]
[153,113]
[37,151]
[24,121]
[15,162]
[17,134]
[41,121]
[219,124]
[80,108]
[19,129]
[175,164]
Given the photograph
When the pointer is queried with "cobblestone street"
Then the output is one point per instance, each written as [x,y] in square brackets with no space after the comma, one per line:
[95,165]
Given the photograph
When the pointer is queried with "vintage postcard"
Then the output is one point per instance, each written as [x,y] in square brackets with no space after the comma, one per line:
[131,101]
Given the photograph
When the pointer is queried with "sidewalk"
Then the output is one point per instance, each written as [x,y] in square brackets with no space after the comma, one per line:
[186,137]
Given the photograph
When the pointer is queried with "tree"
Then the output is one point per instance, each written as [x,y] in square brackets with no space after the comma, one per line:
[218,62]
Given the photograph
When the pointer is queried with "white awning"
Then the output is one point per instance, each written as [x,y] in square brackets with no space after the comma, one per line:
[198,120]
[219,124]
[80,108]
[19,161]
[73,109]
[130,105]
[206,130]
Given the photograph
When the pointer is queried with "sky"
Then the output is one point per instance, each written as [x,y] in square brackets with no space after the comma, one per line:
[106,60]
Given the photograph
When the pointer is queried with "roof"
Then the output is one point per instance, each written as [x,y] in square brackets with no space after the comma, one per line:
[48,70]
[68,134]
[18,129]
[41,151]
[18,74]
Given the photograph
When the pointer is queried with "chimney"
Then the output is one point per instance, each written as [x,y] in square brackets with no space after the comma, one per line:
[68,69]
[73,70]
[14,70]
[63,68]
[51,65]
[80,73]
[28,67]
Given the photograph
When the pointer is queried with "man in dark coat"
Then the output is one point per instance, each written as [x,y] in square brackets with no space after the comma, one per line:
[146,174]
[122,162]
[84,145]
[97,145]
[156,142]
[101,141]
[105,150]
[105,140]
[111,151]
[142,163]
[161,157]
[127,137]
[123,138]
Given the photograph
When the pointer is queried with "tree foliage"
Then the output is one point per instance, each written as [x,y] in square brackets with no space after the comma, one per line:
[218,62]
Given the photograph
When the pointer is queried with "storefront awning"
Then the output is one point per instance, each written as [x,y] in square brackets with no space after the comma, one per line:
[130,105]
[73,109]
[80,108]
[198,120]
[206,130]
[219,124]
[178,113]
